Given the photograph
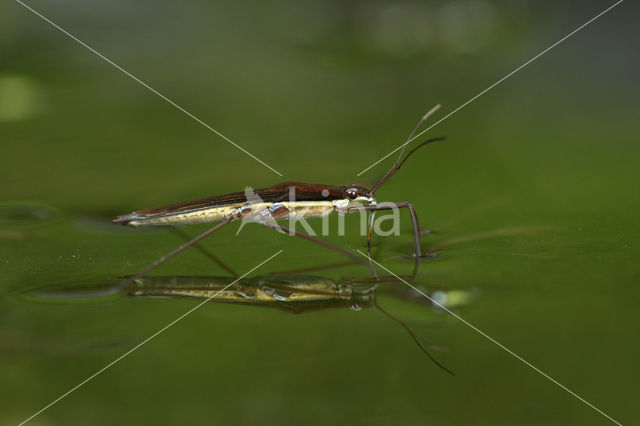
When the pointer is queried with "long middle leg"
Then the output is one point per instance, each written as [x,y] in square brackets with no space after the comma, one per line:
[313,239]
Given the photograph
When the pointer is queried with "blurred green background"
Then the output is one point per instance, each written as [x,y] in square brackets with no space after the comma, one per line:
[533,200]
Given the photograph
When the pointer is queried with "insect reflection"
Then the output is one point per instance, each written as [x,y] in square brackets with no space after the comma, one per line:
[290,293]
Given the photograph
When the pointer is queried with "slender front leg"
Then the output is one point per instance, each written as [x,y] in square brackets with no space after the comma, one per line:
[414,220]
[372,267]
[389,206]
[372,215]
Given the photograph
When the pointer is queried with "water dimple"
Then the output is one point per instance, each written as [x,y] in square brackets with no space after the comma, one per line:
[426,257]
[439,298]
[26,214]
[451,299]
[74,292]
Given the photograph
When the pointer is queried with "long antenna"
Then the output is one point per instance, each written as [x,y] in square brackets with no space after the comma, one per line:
[397,164]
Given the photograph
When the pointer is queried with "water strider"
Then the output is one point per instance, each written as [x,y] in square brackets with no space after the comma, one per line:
[288,200]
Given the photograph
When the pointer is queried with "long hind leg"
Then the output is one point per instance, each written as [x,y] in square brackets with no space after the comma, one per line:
[175,252]
[205,252]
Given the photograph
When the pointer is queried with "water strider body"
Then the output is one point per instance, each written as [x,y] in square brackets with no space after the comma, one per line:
[283,201]
[288,200]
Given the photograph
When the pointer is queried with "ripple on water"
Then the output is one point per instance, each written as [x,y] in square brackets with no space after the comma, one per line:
[26,214]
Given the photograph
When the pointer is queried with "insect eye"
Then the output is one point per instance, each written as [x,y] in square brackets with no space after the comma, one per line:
[352,193]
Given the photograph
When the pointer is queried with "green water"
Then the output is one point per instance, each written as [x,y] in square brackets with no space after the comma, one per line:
[533,202]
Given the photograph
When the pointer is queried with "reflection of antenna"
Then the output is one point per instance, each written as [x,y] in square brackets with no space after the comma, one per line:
[413,336]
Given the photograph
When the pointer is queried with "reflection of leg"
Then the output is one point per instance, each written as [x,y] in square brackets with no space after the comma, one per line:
[413,336]
[179,250]
[204,251]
